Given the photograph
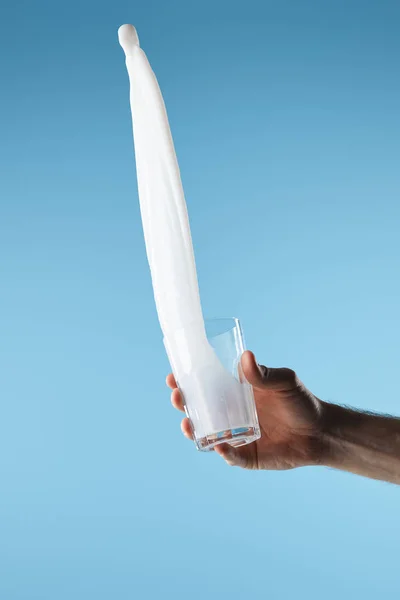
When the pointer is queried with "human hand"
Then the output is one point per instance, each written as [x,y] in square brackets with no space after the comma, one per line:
[290,420]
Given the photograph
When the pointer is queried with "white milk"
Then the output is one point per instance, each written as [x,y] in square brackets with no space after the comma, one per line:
[212,395]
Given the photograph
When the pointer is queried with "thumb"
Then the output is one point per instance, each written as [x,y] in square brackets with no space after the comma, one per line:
[266,378]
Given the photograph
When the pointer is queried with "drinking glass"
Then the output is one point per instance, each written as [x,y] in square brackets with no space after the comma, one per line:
[218,400]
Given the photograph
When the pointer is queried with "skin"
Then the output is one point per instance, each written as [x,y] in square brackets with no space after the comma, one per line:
[298,429]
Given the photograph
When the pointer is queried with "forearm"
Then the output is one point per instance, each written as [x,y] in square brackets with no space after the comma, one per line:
[361,443]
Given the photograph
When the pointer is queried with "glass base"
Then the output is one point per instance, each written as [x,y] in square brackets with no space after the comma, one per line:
[234,437]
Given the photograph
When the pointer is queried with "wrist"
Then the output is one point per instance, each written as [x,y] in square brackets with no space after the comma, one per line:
[361,443]
[334,419]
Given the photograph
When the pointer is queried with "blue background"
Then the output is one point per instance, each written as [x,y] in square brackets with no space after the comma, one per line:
[286,124]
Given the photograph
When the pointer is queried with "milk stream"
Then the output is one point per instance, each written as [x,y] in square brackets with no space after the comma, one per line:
[206,385]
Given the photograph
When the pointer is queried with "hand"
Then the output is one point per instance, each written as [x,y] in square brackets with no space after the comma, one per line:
[290,420]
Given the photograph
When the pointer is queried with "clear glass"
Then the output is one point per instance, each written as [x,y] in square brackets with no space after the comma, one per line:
[218,400]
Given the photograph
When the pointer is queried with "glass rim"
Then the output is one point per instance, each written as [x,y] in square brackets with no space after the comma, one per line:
[215,319]
[231,323]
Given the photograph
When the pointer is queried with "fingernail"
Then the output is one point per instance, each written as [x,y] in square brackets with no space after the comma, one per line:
[263,370]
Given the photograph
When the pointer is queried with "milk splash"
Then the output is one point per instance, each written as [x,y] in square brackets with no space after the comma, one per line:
[213,396]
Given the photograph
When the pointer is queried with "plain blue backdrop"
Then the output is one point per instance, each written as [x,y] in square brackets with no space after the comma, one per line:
[285,116]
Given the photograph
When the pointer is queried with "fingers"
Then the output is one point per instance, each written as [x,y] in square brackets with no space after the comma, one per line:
[265,377]
[186,429]
[176,396]
[234,457]
[176,400]
[170,381]
[226,452]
